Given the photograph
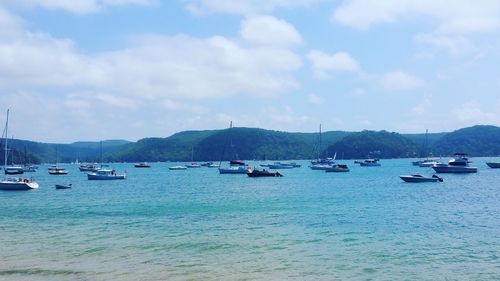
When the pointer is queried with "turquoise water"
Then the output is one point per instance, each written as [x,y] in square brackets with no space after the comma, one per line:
[199,225]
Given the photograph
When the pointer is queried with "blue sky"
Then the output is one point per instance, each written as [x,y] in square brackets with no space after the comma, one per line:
[126,69]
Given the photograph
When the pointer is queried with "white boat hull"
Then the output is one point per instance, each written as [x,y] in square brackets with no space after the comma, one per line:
[10,185]
[233,170]
[101,177]
[454,169]
[494,165]
[410,178]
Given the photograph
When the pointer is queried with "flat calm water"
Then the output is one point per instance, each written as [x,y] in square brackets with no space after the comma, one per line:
[309,225]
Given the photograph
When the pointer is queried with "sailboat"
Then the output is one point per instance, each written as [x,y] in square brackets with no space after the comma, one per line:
[193,164]
[235,166]
[322,163]
[105,174]
[12,169]
[14,183]
[427,162]
[57,170]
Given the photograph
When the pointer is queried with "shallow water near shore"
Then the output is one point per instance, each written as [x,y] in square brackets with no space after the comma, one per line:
[308,225]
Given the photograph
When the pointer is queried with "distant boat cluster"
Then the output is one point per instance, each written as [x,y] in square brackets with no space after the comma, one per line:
[459,164]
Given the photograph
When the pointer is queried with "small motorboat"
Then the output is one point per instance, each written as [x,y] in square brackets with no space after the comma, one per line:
[106,174]
[142,165]
[420,178]
[494,165]
[177,168]
[254,173]
[88,167]
[213,165]
[369,163]
[322,167]
[57,171]
[236,163]
[63,186]
[338,168]
[193,165]
[279,165]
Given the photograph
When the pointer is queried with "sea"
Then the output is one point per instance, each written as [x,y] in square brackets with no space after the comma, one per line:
[196,224]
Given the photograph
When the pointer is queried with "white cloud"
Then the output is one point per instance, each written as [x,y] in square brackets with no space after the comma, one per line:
[452,44]
[76,6]
[471,113]
[452,17]
[244,7]
[398,80]
[173,67]
[422,107]
[323,64]
[315,99]
[268,30]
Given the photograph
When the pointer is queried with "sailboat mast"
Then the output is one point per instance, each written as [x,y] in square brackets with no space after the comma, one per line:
[319,149]
[101,152]
[6,138]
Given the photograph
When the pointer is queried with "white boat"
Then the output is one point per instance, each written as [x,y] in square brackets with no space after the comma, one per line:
[420,178]
[177,168]
[321,167]
[13,183]
[458,165]
[338,168]
[14,170]
[106,174]
[279,165]
[233,170]
[369,163]
[57,171]
[494,165]
[428,163]
[29,168]
[235,166]
[88,167]
[142,165]
[193,165]
[213,165]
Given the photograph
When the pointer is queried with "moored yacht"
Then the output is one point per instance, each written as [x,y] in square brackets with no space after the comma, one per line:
[13,183]
[173,168]
[338,168]
[14,170]
[193,165]
[88,167]
[255,173]
[494,165]
[233,170]
[142,165]
[459,164]
[106,174]
[370,163]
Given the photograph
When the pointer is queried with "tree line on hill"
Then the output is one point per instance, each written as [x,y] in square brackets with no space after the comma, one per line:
[260,144]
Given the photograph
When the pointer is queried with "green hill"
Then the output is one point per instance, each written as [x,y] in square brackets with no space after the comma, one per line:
[381,144]
[478,140]
[47,152]
[254,143]
[241,143]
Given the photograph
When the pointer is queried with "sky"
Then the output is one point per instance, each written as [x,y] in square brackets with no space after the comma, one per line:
[127,69]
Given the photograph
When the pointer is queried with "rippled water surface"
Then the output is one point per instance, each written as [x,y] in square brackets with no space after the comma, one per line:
[199,225]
